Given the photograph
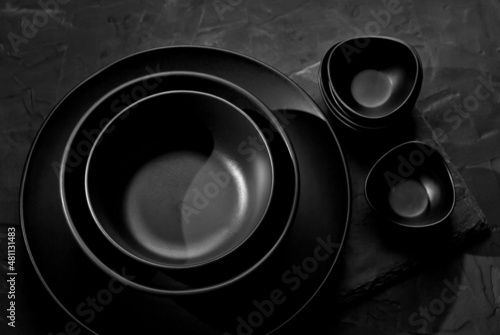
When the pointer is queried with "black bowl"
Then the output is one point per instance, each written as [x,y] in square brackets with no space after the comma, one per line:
[173,180]
[411,185]
[374,79]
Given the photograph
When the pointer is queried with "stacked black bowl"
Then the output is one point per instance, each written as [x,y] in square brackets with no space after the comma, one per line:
[370,83]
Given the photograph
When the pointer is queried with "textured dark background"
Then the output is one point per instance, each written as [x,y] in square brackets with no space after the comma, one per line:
[459,42]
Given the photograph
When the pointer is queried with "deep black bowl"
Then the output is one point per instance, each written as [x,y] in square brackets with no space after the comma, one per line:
[173,180]
[374,79]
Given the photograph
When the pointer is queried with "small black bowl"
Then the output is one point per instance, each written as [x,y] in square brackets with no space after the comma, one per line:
[374,79]
[411,185]
[173,182]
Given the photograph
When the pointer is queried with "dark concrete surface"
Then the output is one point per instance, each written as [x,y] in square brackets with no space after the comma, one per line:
[459,42]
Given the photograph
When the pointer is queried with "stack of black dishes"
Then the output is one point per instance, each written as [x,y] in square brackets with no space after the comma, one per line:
[370,83]
[185,181]
[174,182]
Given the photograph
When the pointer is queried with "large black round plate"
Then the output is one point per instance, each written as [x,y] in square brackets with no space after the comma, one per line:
[260,302]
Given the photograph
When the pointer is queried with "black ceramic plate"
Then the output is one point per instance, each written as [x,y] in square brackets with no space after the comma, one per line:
[195,279]
[260,302]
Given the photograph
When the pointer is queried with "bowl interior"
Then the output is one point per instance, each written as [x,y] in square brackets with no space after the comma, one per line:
[374,76]
[179,179]
[411,185]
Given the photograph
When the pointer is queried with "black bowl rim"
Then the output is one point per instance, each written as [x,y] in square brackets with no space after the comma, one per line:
[161,95]
[436,151]
[416,80]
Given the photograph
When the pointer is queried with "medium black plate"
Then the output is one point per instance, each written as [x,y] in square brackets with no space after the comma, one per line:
[264,300]
[226,270]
